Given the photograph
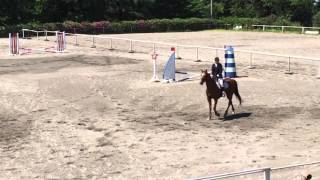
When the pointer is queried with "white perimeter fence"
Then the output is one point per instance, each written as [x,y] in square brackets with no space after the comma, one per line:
[303,30]
[286,63]
[293,172]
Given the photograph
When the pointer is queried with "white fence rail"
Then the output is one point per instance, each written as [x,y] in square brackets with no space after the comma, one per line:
[266,172]
[132,46]
[303,29]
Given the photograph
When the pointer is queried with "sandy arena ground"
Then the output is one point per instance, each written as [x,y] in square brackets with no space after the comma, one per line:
[93,114]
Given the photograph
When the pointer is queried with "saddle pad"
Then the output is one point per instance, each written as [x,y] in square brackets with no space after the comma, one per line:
[225,85]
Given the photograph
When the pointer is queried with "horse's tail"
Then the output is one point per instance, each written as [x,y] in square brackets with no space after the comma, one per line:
[236,92]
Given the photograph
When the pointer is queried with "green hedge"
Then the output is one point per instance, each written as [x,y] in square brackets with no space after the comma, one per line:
[140,26]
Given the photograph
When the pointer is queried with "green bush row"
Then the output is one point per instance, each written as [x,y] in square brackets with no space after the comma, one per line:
[143,26]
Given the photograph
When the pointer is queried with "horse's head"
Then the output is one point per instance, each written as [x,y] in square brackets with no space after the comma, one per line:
[204,76]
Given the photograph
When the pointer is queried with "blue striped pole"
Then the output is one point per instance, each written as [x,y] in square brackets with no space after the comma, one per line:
[230,65]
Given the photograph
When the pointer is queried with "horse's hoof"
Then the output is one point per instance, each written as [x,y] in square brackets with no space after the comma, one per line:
[217,114]
[233,112]
[209,119]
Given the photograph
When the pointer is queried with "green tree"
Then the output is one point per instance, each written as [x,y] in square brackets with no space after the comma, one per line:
[302,11]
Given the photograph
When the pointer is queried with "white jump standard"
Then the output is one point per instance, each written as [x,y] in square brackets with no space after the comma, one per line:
[14,45]
[155,78]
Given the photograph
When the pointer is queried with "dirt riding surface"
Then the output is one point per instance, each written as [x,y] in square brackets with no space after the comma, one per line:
[93,114]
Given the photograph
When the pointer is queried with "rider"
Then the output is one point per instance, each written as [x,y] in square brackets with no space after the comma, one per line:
[216,72]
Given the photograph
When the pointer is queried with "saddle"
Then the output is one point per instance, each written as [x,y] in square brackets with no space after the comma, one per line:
[225,84]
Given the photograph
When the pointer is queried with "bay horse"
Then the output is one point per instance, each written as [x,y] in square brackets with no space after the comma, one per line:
[214,92]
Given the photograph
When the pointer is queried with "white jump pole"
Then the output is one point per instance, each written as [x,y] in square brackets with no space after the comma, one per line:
[155,78]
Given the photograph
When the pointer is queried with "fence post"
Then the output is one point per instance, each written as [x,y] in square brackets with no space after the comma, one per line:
[282,29]
[46,33]
[302,30]
[131,47]
[197,53]
[267,174]
[251,60]
[177,54]
[23,33]
[76,38]
[56,38]
[37,35]
[289,66]
[111,42]
[93,42]
[264,27]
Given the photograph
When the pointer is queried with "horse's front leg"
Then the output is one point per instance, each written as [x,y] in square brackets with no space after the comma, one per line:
[215,107]
[210,108]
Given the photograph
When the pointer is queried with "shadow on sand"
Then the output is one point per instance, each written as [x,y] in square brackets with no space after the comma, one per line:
[236,116]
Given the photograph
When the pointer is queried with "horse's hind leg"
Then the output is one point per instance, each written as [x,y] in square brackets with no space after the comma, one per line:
[226,113]
[229,104]
[233,111]
[210,108]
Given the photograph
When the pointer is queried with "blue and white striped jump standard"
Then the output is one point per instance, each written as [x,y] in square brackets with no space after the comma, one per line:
[230,64]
